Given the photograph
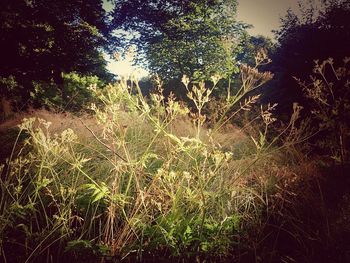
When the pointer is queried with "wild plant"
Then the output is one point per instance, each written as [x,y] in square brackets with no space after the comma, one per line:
[39,192]
[328,94]
[137,188]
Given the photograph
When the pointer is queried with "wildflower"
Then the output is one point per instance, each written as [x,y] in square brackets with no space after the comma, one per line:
[187,175]
[267,114]
[157,81]
[215,78]
[261,57]
[92,87]
[68,135]
[185,80]
[27,124]
[93,107]
[253,78]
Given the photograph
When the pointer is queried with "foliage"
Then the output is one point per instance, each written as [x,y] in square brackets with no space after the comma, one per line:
[315,34]
[135,187]
[73,94]
[41,39]
[193,38]
[251,45]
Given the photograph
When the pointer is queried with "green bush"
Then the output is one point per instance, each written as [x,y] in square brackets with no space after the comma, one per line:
[72,95]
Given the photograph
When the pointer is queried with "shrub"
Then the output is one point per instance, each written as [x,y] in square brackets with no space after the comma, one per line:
[72,95]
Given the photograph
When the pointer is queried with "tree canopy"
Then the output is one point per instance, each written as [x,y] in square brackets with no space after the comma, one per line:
[195,38]
[41,39]
[304,38]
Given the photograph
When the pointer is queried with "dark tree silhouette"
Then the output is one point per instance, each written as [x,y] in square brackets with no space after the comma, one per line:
[41,39]
[303,39]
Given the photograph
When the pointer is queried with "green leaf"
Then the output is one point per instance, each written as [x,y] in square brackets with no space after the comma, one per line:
[75,245]
[99,191]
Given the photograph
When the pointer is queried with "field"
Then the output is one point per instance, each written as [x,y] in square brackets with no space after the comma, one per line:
[141,179]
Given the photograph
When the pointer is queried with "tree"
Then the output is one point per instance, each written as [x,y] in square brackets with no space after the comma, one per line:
[250,46]
[42,39]
[301,40]
[193,38]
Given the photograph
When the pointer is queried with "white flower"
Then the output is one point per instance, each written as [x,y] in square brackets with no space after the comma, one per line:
[185,80]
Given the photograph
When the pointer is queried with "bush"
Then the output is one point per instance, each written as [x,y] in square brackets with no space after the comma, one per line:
[72,95]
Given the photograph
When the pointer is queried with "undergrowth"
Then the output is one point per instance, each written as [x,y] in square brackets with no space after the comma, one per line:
[136,189]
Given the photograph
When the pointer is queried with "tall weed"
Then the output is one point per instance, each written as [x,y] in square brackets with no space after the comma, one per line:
[138,187]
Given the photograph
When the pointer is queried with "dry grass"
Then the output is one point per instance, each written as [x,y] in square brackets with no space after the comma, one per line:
[59,121]
[152,177]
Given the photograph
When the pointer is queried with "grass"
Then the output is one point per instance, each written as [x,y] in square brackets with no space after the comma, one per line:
[147,179]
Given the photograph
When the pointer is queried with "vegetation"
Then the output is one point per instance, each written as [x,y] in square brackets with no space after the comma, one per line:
[42,40]
[314,35]
[208,173]
[193,38]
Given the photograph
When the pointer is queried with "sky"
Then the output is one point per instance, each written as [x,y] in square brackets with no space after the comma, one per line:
[264,15]
[122,67]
